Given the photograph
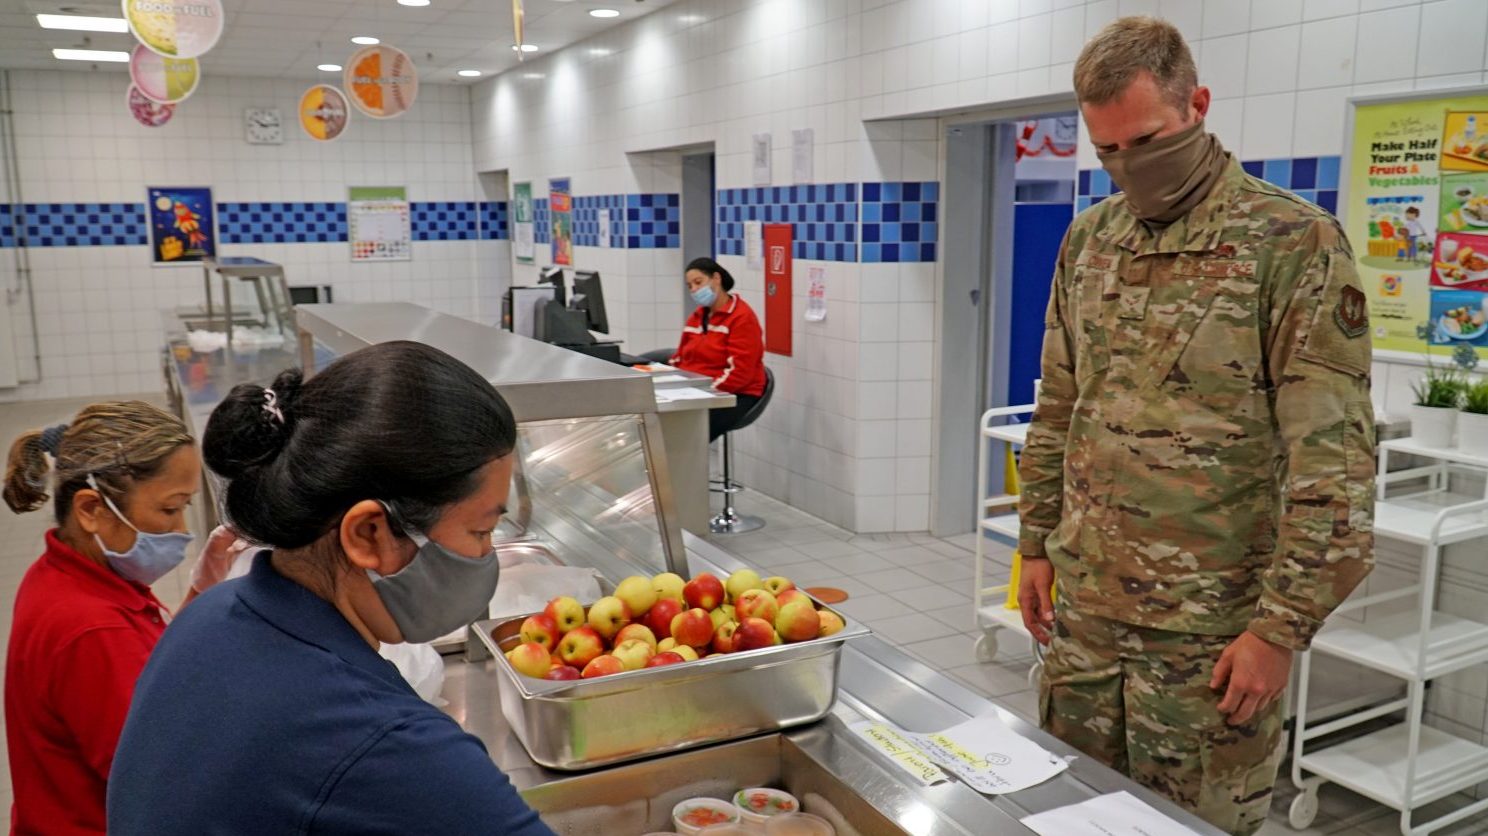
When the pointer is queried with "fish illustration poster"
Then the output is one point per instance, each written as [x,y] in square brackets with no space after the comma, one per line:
[183,224]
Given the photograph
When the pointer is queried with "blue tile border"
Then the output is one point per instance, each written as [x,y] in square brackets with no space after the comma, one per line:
[901,221]
[443,221]
[1314,179]
[79,224]
[823,218]
[7,226]
[542,228]
[494,220]
[281,223]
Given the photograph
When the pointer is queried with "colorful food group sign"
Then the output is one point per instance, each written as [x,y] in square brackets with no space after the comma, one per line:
[1417,216]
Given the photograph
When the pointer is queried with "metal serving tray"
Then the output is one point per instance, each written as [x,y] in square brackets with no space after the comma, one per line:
[583,724]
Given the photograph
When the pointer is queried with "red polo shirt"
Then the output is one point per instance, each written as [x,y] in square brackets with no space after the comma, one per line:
[78,641]
[731,350]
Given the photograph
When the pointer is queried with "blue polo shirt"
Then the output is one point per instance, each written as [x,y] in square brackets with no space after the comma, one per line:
[263,711]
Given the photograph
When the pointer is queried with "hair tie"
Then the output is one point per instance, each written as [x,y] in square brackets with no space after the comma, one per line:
[51,439]
[271,406]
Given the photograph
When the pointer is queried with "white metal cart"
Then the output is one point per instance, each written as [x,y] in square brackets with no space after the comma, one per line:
[1405,765]
[997,514]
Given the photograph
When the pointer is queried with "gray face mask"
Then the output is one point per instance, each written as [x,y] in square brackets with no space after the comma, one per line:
[439,591]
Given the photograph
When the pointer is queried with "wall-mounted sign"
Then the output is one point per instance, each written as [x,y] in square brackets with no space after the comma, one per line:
[182,227]
[377,223]
[759,146]
[381,81]
[560,206]
[176,28]
[146,111]
[165,80]
[324,113]
[523,245]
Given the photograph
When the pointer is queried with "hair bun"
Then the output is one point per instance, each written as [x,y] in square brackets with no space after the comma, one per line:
[251,426]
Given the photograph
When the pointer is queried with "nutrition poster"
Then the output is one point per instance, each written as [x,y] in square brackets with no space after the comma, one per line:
[560,206]
[182,230]
[377,224]
[522,229]
[381,81]
[175,28]
[1416,212]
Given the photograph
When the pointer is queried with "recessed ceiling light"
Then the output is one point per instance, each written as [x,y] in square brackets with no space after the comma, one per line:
[91,55]
[601,51]
[365,40]
[534,76]
[330,68]
[469,73]
[525,47]
[413,2]
[603,13]
[692,18]
[83,24]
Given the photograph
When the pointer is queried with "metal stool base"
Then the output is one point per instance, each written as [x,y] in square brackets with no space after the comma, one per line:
[734,524]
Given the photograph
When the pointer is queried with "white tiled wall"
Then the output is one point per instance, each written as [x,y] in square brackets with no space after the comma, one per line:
[98,307]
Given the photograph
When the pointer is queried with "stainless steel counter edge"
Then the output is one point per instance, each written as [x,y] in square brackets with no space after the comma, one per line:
[878,682]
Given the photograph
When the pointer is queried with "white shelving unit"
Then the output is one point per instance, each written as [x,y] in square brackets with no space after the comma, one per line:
[998,514]
[1405,765]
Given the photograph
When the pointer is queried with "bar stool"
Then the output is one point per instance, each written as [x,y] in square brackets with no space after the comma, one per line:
[729,520]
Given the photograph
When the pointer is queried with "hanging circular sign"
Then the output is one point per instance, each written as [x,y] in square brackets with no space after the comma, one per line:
[147,112]
[175,28]
[165,80]
[381,81]
[324,112]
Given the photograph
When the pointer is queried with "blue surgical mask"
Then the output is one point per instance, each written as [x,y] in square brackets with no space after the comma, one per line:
[151,557]
[704,295]
[439,591]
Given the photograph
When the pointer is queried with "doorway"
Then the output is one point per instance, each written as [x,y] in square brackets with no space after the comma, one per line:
[699,178]
[1010,195]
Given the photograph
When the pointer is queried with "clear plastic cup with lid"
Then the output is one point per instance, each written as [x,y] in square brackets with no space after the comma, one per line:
[694,814]
[798,824]
[756,804]
[735,829]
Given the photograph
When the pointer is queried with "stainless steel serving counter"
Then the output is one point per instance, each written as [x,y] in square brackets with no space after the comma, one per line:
[878,683]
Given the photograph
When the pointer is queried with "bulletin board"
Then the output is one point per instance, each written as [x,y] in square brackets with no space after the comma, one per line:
[377,224]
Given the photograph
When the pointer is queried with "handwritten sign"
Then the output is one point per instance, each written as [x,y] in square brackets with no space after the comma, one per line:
[900,750]
[990,757]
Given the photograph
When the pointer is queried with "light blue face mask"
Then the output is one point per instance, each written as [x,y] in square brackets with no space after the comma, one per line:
[704,295]
[151,557]
[439,591]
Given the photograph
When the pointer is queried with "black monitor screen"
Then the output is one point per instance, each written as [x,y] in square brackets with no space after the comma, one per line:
[554,277]
[589,297]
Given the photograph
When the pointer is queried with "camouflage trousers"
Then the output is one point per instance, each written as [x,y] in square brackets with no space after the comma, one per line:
[1138,700]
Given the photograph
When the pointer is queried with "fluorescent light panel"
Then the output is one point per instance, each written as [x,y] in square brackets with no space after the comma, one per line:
[365,40]
[91,55]
[81,23]
[330,68]
[603,13]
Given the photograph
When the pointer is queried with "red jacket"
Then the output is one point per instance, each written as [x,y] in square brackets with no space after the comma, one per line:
[79,639]
[731,350]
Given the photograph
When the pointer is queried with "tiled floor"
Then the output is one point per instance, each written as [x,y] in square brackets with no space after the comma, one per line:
[913,589]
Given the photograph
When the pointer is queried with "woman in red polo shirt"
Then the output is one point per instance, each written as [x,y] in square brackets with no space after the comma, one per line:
[85,619]
[723,340]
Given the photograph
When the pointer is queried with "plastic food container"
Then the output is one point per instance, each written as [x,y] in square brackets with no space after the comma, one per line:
[694,814]
[756,804]
[798,824]
[729,830]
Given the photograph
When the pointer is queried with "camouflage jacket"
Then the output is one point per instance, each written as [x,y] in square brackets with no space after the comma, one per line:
[1202,455]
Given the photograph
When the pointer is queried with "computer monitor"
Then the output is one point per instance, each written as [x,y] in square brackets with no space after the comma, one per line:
[588,296]
[554,277]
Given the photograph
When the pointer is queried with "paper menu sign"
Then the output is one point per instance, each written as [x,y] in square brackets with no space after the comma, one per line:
[1116,814]
[901,751]
[990,757]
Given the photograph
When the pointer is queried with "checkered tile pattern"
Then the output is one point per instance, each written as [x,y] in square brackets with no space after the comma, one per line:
[901,221]
[7,226]
[823,217]
[79,224]
[281,223]
[1313,179]
[653,221]
[446,221]
[586,219]
[494,221]
[542,222]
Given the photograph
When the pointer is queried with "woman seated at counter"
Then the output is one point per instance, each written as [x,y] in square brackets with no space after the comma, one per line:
[85,620]
[723,340]
[376,486]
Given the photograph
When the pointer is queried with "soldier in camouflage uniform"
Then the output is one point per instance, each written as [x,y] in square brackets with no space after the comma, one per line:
[1199,474]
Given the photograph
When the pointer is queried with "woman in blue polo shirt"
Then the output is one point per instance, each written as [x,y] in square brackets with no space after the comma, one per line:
[265,707]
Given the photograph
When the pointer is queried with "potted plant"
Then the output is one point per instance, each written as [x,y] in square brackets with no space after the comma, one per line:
[1434,414]
[1472,426]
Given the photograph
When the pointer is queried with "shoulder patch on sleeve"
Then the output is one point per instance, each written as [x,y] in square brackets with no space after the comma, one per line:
[1352,312]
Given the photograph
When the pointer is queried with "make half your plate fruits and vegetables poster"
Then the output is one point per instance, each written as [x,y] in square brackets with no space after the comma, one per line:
[1416,213]
[182,225]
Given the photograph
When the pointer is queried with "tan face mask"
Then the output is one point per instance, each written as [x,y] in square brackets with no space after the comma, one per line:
[1167,177]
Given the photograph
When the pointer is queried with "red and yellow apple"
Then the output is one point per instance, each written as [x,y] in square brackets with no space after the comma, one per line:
[633,654]
[754,633]
[777,584]
[608,615]
[580,646]
[530,659]
[670,657]
[541,628]
[668,585]
[638,595]
[798,621]
[685,652]
[636,631]
[742,581]
[756,603]
[659,619]
[603,666]
[703,592]
[563,673]
[566,612]
[723,637]
[790,595]
[830,623]
[719,617]
[693,627]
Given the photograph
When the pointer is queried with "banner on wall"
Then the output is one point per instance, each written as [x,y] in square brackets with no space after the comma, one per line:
[1416,212]
[182,225]
[377,224]
[560,206]
[523,246]
[778,245]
